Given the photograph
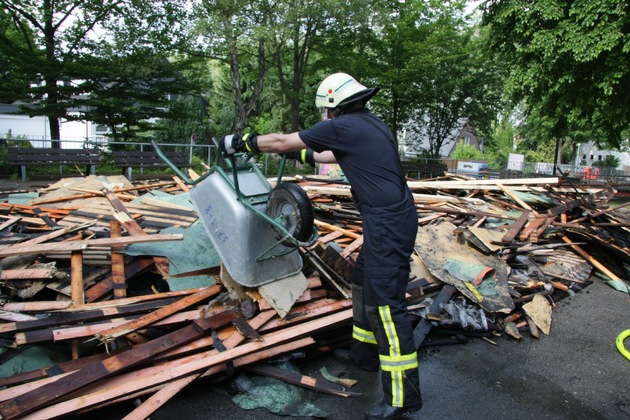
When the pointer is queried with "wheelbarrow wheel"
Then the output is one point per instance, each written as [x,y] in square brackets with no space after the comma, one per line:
[289,204]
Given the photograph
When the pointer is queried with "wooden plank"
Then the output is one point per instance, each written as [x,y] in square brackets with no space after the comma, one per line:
[169,391]
[76,278]
[54,391]
[15,317]
[138,386]
[463,212]
[305,381]
[163,312]
[10,222]
[27,273]
[601,267]
[483,184]
[119,285]
[102,288]
[515,228]
[161,263]
[211,362]
[516,198]
[97,312]
[532,226]
[354,246]
[81,245]
[328,226]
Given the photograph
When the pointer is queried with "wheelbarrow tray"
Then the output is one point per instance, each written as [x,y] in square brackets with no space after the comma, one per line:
[241,237]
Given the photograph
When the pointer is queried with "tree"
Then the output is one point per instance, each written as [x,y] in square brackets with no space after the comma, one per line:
[466,152]
[456,80]
[58,38]
[229,35]
[286,38]
[568,62]
[127,93]
[14,81]
[500,144]
[432,70]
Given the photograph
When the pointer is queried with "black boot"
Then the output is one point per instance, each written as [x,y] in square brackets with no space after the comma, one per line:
[386,411]
[348,357]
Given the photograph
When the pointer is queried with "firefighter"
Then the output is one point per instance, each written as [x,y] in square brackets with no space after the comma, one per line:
[365,149]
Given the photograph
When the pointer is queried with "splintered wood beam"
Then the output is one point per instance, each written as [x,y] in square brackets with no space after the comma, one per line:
[448,210]
[113,333]
[516,198]
[134,229]
[328,226]
[92,313]
[170,390]
[119,285]
[305,381]
[57,233]
[60,332]
[532,226]
[27,273]
[515,228]
[307,312]
[119,302]
[15,317]
[61,199]
[76,278]
[355,245]
[54,391]
[81,245]
[144,187]
[10,222]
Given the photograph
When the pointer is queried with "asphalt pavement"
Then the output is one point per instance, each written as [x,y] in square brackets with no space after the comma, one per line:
[575,372]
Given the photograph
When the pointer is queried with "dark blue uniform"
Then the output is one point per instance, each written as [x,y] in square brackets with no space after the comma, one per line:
[382,331]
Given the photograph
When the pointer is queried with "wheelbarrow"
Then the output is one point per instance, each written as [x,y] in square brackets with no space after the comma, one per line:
[257,230]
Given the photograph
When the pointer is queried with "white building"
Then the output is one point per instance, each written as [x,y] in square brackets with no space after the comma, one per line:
[588,153]
[37,130]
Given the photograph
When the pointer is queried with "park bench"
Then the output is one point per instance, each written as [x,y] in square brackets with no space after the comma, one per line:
[35,156]
[129,159]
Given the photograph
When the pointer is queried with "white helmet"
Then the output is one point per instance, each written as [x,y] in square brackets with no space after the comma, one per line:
[341,89]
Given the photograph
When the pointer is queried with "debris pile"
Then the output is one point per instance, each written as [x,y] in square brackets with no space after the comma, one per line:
[111,291]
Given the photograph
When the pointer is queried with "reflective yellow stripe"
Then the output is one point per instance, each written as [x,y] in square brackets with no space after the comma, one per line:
[399,363]
[395,363]
[362,335]
[247,144]
[303,156]
[390,330]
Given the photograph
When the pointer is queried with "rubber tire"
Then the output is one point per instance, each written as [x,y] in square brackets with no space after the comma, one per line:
[289,198]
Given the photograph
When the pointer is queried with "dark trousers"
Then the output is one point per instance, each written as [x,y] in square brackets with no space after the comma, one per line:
[381,325]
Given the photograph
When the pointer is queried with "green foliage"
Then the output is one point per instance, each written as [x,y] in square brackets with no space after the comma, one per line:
[60,55]
[609,161]
[568,62]
[192,124]
[466,152]
[499,145]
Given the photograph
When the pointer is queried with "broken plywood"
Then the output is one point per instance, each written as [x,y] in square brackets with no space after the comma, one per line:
[437,244]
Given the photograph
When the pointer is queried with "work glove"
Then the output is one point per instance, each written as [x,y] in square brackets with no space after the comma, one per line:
[237,143]
[302,156]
